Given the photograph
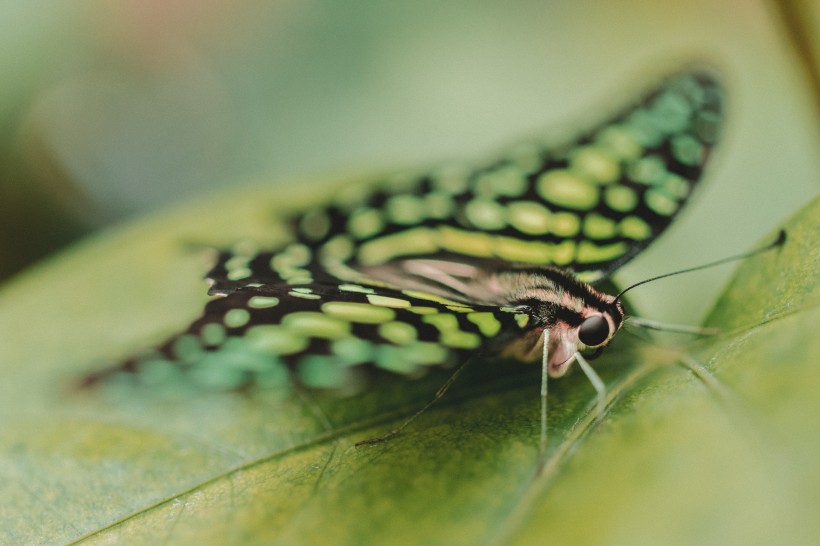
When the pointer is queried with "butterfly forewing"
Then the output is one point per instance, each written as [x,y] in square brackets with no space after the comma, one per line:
[588,205]
[398,278]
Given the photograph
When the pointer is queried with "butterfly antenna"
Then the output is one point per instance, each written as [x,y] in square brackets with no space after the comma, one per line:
[781,238]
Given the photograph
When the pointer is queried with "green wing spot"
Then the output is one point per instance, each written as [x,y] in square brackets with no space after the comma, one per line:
[289,273]
[466,242]
[299,254]
[671,112]
[358,312]
[355,288]
[522,319]
[687,149]
[304,295]
[529,217]
[315,324]
[407,359]
[444,323]
[157,371]
[567,189]
[236,318]
[660,203]
[213,334]
[460,340]
[399,333]
[211,373]
[405,209]
[591,253]
[563,253]
[187,348]
[642,124]
[566,224]
[596,164]
[351,350]
[364,223]
[386,301]
[507,180]
[621,142]
[487,324]
[236,262]
[293,258]
[485,214]
[675,187]
[438,205]
[620,198]
[239,273]
[321,372]
[340,248]
[263,302]
[276,376]
[461,308]
[425,352]
[273,339]
[315,224]
[412,241]
[516,250]
[420,310]
[294,255]
[396,359]
[450,333]
[598,227]
[633,227]
[649,170]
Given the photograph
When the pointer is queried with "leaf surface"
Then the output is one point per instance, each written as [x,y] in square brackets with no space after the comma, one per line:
[721,450]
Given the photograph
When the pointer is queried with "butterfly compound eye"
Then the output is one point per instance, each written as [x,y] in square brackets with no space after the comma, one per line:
[593,331]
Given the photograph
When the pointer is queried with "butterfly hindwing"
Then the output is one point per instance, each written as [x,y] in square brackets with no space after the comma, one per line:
[326,335]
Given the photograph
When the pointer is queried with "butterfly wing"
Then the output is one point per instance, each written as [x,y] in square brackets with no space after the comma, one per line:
[325,335]
[588,205]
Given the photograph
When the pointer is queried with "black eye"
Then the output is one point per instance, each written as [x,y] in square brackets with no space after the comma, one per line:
[593,331]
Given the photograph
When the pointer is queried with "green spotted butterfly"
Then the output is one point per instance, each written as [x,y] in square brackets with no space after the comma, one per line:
[432,268]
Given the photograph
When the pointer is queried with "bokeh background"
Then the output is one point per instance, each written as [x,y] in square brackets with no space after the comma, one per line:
[112,110]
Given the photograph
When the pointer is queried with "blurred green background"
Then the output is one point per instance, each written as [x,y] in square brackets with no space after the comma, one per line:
[110,110]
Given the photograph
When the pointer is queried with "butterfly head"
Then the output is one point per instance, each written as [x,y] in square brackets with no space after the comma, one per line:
[591,328]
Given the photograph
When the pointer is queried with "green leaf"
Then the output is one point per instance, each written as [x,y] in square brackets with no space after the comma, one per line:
[721,450]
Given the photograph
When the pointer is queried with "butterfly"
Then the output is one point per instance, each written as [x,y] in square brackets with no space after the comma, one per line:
[431,268]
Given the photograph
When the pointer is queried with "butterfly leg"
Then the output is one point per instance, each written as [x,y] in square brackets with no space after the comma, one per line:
[544,377]
[676,328]
[439,393]
[597,384]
